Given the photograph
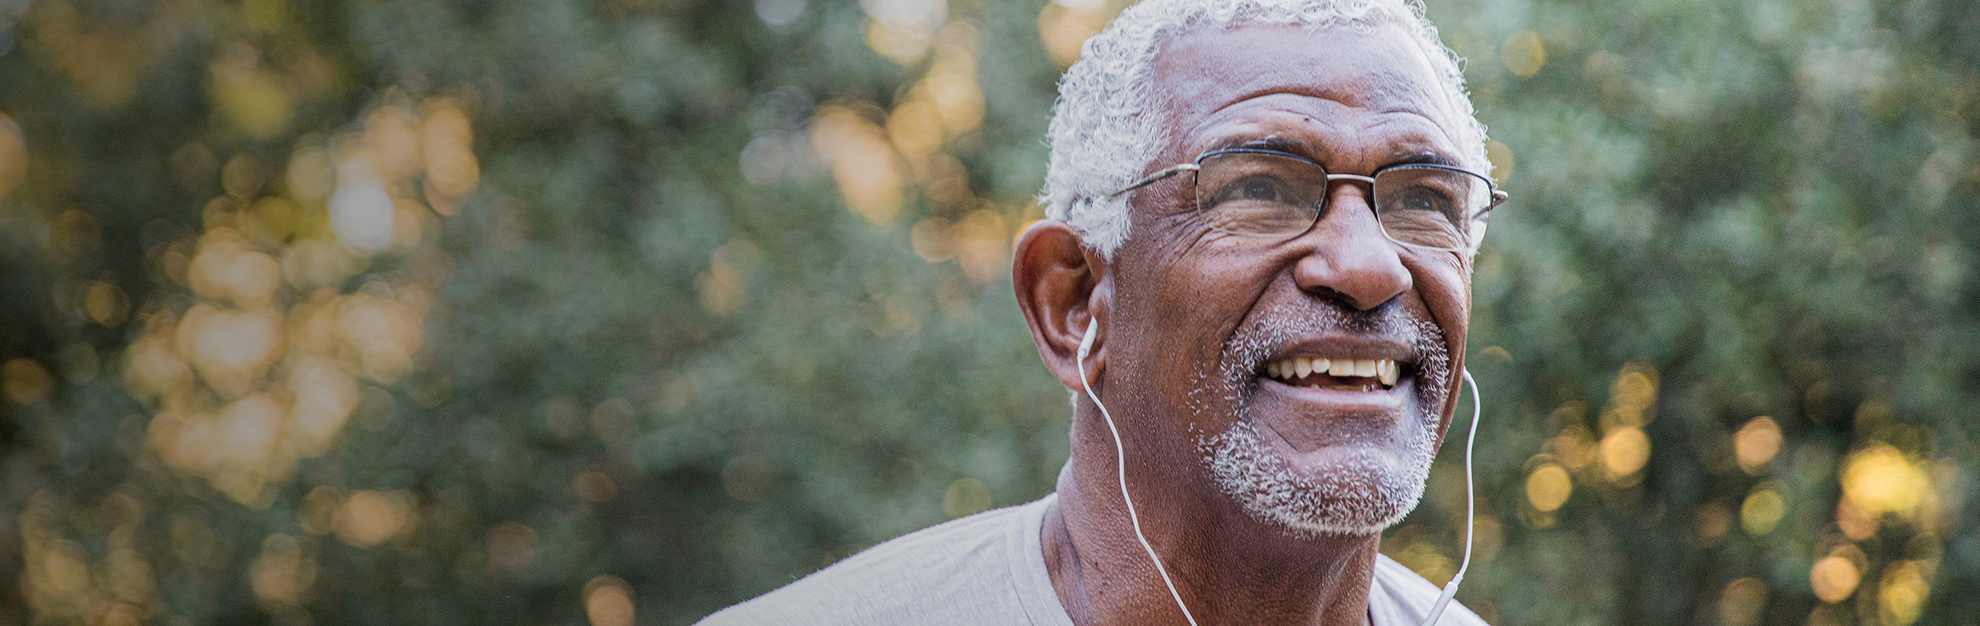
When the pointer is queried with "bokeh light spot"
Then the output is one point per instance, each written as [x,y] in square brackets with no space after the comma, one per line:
[1763,509]
[1625,450]
[368,518]
[1065,26]
[106,304]
[1524,53]
[1742,601]
[595,487]
[1879,481]
[608,601]
[862,161]
[1902,593]
[1835,577]
[1756,443]
[25,381]
[1503,160]
[966,496]
[13,156]
[1548,487]
[361,211]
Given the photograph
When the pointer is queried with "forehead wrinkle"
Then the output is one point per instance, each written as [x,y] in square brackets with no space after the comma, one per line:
[1328,139]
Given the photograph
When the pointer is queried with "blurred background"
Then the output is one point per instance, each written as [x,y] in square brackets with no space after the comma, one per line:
[618,312]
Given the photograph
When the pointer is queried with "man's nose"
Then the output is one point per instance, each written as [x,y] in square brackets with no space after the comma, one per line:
[1350,260]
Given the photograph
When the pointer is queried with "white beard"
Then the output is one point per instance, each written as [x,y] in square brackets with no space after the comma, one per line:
[1362,496]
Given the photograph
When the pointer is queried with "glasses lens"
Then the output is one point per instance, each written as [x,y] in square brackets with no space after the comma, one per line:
[1259,194]
[1430,206]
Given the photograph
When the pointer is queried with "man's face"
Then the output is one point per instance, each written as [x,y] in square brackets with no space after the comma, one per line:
[1205,317]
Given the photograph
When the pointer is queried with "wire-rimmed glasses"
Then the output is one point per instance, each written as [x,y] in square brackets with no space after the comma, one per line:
[1250,191]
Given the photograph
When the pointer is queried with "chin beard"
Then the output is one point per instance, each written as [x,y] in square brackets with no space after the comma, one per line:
[1359,495]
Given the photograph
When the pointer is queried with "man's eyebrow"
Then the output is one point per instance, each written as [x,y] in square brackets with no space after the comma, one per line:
[1283,144]
[1274,142]
[1262,143]
[1431,157]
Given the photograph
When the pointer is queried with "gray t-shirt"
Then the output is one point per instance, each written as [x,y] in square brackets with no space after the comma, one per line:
[989,569]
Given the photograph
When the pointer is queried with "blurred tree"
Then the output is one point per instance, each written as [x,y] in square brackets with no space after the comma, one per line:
[623,311]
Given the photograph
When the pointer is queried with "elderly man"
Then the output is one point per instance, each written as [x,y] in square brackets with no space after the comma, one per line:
[1256,279]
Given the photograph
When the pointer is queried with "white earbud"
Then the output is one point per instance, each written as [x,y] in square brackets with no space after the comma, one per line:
[1120,468]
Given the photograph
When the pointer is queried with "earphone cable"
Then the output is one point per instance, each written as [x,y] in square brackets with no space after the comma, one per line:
[1470,507]
[1120,469]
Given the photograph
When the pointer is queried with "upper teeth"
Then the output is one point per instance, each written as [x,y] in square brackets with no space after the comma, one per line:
[1382,369]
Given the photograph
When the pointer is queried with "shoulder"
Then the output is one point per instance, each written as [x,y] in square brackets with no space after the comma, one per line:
[959,572]
[1402,598]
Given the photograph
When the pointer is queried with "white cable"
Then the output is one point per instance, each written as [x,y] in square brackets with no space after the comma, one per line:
[1120,469]
[1470,513]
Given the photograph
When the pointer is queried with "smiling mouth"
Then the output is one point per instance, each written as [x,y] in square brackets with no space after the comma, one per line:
[1341,374]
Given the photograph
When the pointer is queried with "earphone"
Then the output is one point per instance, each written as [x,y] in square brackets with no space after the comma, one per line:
[1120,470]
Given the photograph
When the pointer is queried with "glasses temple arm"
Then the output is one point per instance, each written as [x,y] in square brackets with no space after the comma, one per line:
[1152,178]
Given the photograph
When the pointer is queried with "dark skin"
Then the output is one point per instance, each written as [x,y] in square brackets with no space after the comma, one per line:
[1177,291]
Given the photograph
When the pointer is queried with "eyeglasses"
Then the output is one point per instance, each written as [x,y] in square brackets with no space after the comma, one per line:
[1248,191]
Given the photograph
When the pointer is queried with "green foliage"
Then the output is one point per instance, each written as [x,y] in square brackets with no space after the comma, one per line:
[654,341]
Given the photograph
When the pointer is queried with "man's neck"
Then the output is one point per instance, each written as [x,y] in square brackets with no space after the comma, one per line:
[1228,567]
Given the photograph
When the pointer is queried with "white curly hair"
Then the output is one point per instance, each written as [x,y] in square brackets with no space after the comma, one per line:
[1102,137]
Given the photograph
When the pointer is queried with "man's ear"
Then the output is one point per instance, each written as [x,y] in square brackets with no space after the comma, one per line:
[1060,288]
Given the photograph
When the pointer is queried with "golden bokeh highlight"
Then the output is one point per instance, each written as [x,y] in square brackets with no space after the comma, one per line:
[862,161]
[103,58]
[1574,447]
[724,287]
[369,518]
[1502,159]
[902,30]
[258,101]
[1524,53]
[106,304]
[608,601]
[1854,522]
[1880,480]
[317,513]
[1756,444]
[966,496]
[1632,397]
[269,359]
[1763,509]
[877,156]
[1548,487]
[60,580]
[13,156]
[1902,593]
[1625,450]
[1427,561]
[447,142]
[1064,26]
[1742,602]
[1836,576]
[25,381]
[283,574]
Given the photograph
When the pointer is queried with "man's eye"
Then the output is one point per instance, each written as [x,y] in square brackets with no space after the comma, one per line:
[1419,198]
[1255,189]
[1260,190]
